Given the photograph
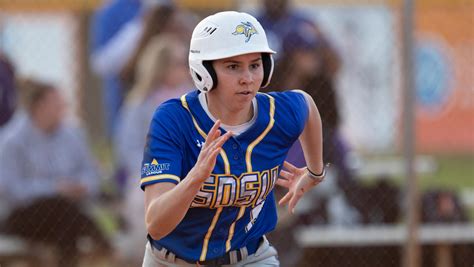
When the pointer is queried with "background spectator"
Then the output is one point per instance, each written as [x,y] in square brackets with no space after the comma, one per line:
[161,74]
[160,16]
[106,24]
[49,174]
[116,61]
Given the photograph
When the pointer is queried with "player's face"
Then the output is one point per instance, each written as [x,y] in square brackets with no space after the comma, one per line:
[239,79]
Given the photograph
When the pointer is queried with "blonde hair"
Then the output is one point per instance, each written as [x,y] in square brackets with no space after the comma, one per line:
[152,65]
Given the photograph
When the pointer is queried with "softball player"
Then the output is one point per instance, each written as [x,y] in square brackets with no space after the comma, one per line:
[213,156]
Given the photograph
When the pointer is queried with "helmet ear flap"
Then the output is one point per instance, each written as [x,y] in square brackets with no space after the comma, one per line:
[267,62]
[210,69]
[201,76]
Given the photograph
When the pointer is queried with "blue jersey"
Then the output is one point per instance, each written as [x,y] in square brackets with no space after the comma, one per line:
[236,204]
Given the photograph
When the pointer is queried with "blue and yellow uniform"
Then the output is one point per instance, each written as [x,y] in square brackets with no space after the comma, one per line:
[235,206]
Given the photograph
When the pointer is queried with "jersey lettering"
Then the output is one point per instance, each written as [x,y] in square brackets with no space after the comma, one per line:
[253,216]
[223,190]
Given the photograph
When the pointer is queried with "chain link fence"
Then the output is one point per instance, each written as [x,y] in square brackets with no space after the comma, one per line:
[348,56]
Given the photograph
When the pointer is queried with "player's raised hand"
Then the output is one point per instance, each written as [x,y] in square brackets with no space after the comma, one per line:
[209,151]
[297,181]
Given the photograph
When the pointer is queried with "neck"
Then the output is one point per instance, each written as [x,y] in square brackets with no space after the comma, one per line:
[228,115]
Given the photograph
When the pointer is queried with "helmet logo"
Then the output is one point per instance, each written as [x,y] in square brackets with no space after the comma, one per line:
[245,28]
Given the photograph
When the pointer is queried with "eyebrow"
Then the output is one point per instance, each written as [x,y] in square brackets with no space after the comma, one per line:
[235,61]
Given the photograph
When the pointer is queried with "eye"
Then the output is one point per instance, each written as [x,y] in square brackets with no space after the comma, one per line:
[255,66]
[232,66]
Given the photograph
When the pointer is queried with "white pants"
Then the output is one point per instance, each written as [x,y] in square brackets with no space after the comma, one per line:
[266,255]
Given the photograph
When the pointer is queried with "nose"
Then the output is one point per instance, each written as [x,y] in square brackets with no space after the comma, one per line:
[246,77]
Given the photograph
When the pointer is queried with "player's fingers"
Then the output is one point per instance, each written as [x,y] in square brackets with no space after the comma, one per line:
[294,200]
[209,153]
[216,126]
[219,142]
[211,135]
[210,157]
[287,175]
[211,139]
[290,167]
[286,198]
[213,156]
[283,182]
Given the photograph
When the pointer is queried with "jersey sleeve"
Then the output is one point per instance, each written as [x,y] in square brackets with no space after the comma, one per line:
[163,154]
[301,113]
[292,111]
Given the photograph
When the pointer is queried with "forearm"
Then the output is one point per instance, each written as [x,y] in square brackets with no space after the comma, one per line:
[166,211]
[312,138]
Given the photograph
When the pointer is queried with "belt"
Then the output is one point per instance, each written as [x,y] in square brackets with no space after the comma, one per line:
[223,260]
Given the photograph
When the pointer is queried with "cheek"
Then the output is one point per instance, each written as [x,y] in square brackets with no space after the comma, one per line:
[227,79]
[259,75]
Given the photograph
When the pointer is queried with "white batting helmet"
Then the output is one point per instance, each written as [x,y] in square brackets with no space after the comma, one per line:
[222,35]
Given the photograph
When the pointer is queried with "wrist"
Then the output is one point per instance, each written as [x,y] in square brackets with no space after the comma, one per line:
[197,176]
[317,175]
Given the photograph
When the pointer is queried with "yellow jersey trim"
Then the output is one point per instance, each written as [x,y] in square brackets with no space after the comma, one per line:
[209,233]
[248,155]
[160,177]
[232,227]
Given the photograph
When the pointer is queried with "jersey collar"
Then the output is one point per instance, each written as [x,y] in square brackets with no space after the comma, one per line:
[206,123]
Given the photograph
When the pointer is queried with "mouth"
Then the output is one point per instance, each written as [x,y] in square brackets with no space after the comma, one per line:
[247,92]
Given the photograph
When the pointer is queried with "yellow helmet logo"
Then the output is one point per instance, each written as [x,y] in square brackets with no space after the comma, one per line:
[245,28]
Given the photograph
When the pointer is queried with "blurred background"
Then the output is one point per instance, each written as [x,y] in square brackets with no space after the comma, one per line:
[393,80]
